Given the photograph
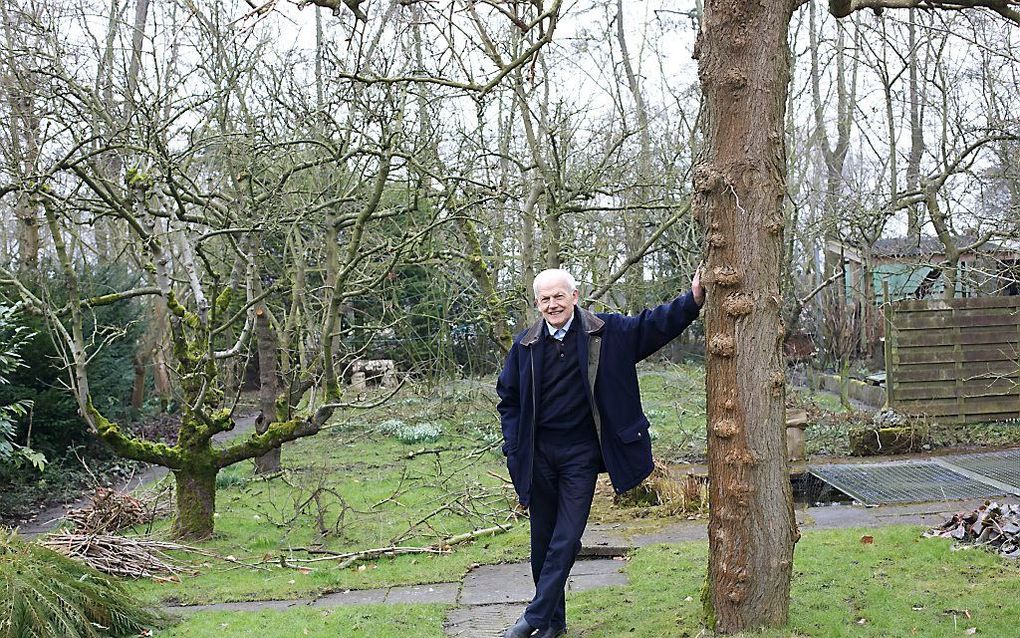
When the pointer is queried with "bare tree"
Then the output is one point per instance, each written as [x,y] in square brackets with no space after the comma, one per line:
[744,65]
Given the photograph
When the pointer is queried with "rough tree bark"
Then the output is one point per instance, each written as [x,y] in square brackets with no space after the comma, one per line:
[744,67]
[916,127]
[269,382]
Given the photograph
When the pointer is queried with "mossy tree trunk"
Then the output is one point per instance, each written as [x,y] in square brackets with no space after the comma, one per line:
[196,501]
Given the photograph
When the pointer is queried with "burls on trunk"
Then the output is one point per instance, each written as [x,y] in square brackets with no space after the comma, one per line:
[739,185]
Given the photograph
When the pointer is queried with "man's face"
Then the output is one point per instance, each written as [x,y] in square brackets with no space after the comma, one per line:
[556,302]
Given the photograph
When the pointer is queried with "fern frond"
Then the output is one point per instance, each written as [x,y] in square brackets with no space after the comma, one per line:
[46,594]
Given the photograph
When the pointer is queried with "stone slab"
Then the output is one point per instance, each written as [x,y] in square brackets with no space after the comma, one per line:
[603,540]
[255,605]
[597,566]
[421,594]
[481,621]
[351,597]
[501,584]
[491,584]
[835,517]
[680,531]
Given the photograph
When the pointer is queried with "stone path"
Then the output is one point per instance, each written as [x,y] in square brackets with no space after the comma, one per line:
[490,598]
[493,596]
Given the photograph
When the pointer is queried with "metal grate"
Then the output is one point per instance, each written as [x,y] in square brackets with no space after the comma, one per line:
[1003,467]
[903,482]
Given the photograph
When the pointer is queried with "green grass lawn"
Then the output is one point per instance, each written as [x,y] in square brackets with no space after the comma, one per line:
[347,489]
[374,621]
[355,487]
[901,585]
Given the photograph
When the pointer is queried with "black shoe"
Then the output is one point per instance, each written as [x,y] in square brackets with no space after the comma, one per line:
[552,632]
[521,629]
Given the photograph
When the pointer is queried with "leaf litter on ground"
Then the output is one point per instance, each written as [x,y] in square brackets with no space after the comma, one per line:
[993,525]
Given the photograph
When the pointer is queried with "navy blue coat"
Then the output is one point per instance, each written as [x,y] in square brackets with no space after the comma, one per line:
[609,348]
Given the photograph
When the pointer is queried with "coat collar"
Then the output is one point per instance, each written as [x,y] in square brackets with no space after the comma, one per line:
[590,323]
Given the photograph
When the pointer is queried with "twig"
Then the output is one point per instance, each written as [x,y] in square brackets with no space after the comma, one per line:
[347,559]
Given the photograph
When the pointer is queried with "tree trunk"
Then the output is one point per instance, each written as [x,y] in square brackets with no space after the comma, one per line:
[160,328]
[744,66]
[27,214]
[834,154]
[265,336]
[138,387]
[196,502]
[916,129]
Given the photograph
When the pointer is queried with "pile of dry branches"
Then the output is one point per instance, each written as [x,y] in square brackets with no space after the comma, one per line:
[111,511]
[992,525]
[137,557]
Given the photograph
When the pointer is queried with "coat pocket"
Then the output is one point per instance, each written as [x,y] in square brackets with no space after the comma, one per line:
[635,432]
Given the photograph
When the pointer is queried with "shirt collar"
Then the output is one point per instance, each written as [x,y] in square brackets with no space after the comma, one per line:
[565,327]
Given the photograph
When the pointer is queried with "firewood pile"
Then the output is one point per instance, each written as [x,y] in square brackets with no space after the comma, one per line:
[134,557]
[111,511]
[992,525]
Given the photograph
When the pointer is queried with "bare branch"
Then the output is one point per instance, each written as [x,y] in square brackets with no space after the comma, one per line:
[1008,9]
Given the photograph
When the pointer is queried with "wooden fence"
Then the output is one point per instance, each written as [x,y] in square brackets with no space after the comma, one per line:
[957,361]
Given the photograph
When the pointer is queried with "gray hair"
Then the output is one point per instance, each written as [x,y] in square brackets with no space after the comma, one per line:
[554,274]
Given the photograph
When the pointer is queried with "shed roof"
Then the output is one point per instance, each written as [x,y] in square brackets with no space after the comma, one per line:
[911,247]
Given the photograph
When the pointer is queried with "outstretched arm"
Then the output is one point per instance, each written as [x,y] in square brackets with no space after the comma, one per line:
[656,327]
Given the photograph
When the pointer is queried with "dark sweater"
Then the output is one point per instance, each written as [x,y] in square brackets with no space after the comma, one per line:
[563,409]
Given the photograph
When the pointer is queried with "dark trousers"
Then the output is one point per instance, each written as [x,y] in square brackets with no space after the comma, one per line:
[562,488]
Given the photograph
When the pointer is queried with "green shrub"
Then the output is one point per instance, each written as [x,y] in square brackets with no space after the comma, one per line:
[46,594]
[231,477]
[12,337]
[111,332]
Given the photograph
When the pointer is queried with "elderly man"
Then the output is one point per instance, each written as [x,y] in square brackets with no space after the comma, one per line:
[569,408]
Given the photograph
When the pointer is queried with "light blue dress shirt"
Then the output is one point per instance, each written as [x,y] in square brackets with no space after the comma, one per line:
[559,333]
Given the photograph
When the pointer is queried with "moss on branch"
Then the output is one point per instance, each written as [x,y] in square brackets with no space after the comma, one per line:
[178,310]
[130,447]
[258,444]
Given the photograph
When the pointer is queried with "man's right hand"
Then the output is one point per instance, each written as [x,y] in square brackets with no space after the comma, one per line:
[697,289]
